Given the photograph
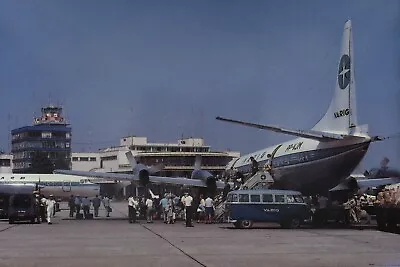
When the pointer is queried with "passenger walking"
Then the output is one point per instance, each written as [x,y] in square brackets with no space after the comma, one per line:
[71,205]
[209,203]
[50,203]
[170,210]
[96,205]
[106,203]
[132,206]
[86,207]
[37,206]
[78,204]
[163,204]
[187,201]
[201,209]
[149,211]
[254,166]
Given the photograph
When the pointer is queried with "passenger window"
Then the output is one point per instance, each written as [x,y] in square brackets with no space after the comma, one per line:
[255,198]
[267,198]
[243,198]
[299,199]
[290,198]
[229,198]
[280,198]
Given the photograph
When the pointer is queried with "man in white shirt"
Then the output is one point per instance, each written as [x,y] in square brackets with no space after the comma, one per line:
[187,201]
[50,203]
[209,203]
[149,210]
[132,205]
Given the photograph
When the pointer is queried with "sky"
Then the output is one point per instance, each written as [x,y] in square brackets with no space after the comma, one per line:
[166,69]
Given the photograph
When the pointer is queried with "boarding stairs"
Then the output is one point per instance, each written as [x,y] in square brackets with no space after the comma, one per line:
[261,180]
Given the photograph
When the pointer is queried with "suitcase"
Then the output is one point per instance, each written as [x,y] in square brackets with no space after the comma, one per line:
[79,216]
[89,216]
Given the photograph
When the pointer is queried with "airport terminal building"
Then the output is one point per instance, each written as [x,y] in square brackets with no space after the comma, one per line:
[177,158]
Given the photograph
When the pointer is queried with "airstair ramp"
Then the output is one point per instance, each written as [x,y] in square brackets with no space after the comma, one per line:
[261,179]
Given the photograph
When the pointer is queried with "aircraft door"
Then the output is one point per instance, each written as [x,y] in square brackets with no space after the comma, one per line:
[66,186]
[271,161]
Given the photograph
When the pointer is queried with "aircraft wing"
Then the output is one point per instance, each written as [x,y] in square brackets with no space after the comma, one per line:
[130,177]
[310,134]
[362,183]
[351,184]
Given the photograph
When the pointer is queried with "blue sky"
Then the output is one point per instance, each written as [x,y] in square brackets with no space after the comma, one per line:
[166,69]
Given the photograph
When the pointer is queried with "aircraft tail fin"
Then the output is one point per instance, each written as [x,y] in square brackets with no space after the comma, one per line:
[131,159]
[341,116]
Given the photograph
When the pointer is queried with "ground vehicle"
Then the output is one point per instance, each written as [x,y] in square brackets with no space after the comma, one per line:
[18,201]
[282,206]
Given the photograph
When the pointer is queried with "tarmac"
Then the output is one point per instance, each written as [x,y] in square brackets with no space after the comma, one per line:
[114,242]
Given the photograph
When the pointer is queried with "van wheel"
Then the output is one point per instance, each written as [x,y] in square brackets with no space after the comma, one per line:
[246,224]
[291,223]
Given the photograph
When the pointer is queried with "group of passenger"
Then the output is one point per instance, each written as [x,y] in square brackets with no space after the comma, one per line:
[78,203]
[169,207]
[388,208]
[45,208]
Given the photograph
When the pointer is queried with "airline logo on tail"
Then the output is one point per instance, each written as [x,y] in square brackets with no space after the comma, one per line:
[344,72]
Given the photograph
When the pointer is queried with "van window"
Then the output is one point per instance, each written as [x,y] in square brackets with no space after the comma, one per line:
[229,198]
[280,198]
[243,198]
[255,198]
[290,199]
[267,198]
[22,201]
[234,198]
[298,199]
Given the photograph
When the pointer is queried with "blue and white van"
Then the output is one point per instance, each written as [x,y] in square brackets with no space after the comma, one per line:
[285,207]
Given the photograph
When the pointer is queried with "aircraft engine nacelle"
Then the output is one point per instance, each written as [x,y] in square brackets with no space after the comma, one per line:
[144,178]
[207,178]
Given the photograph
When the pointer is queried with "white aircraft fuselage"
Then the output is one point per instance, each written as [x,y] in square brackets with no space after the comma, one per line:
[59,185]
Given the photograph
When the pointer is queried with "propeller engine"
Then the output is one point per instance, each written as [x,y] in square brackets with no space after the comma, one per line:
[141,170]
[209,179]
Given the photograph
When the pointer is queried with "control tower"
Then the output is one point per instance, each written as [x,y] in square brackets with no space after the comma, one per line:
[49,136]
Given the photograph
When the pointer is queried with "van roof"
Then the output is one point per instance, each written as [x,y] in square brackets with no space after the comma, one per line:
[266,191]
[17,188]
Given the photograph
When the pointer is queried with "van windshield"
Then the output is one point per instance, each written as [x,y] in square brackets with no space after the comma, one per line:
[22,201]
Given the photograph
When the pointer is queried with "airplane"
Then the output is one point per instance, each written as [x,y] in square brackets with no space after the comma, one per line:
[61,186]
[312,163]
[143,175]
[319,158]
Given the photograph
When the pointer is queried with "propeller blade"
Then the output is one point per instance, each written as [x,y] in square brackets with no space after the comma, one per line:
[131,159]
